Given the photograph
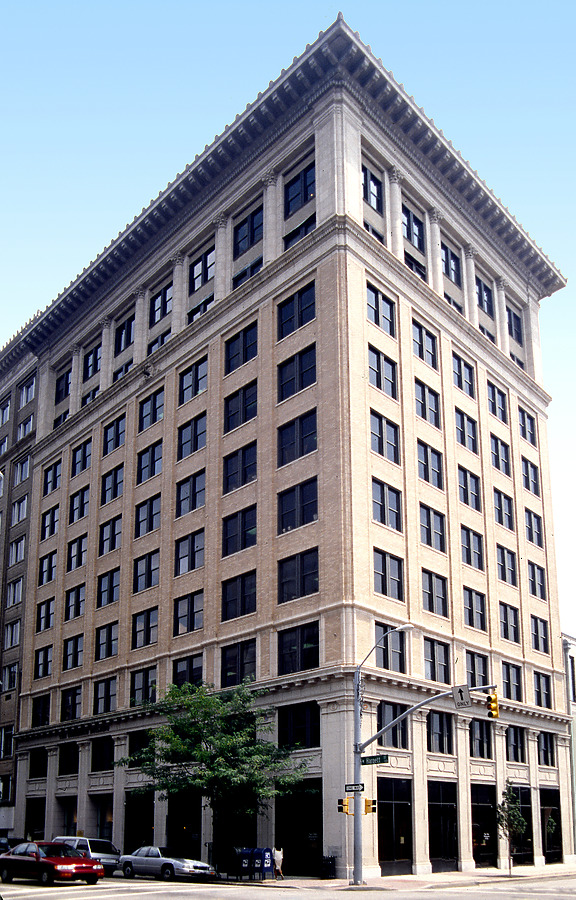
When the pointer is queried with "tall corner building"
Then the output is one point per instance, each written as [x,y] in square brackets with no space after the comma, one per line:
[297,403]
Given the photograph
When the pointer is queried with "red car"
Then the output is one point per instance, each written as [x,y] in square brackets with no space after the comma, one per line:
[47,862]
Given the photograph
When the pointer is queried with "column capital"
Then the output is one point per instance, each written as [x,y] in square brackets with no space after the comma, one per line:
[395,175]
[501,283]
[563,740]
[470,252]
[500,728]
[436,215]
[420,716]
[52,751]
[532,734]
[177,258]
[269,178]
[139,293]
[463,722]
[76,348]
[220,221]
[106,322]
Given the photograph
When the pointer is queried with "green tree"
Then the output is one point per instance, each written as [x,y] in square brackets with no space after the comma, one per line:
[216,743]
[510,820]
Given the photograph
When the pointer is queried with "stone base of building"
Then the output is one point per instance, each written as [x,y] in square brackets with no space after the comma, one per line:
[422,868]
[466,865]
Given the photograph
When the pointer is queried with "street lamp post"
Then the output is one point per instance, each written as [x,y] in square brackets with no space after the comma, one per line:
[358,752]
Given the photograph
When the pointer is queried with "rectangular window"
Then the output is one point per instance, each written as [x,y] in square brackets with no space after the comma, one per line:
[14,592]
[515,744]
[298,649]
[201,270]
[484,297]
[106,643]
[147,516]
[27,391]
[497,402]
[546,749]
[81,458]
[113,435]
[511,682]
[12,634]
[542,690]
[43,662]
[536,581]
[371,189]
[434,593]
[160,305]
[45,615]
[439,732]
[92,362]
[189,552]
[297,373]
[193,381]
[509,627]
[9,677]
[146,571]
[49,522]
[190,493]
[297,234]
[299,725]
[397,736]
[187,670]
[427,403]
[239,531]
[514,325]
[4,411]
[436,660]
[480,739]
[386,505]
[297,438]
[388,575]
[145,628]
[40,710]
[430,465]
[108,588]
[62,389]
[73,652]
[500,454]
[534,532]
[381,310]
[466,432]
[239,596]
[469,488]
[47,568]
[539,628]
[463,375]
[527,425]
[112,484]
[143,686]
[413,228]
[248,232]
[151,410]
[21,470]
[415,265]
[121,371]
[298,506]
[77,553]
[105,696]
[298,575]
[472,548]
[385,439]
[474,609]
[530,477]
[241,348]
[110,535]
[382,372]
[241,406]
[74,602]
[432,528]
[124,335]
[239,468]
[238,663]
[52,475]
[25,427]
[149,462]
[90,396]
[503,509]
[192,436]
[451,264]
[476,669]
[424,344]
[299,190]
[20,509]
[71,704]
[79,505]
[200,308]
[16,550]
[506,560]
[296,311]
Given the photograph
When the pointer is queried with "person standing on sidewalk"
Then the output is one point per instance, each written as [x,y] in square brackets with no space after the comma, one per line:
[278,856]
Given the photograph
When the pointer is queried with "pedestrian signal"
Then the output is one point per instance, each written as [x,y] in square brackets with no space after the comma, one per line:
[369,806]
[344,805]
[492,705]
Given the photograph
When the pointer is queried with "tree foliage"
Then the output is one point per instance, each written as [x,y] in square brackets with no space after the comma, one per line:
[510,820]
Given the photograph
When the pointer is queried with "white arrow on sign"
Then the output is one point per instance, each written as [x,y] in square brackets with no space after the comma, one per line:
[461,696]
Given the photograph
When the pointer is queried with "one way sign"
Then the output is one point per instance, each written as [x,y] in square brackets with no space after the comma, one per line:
[461,696]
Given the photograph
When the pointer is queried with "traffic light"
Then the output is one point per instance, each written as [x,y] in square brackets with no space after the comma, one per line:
[344,805]
[369,806]
[492,705]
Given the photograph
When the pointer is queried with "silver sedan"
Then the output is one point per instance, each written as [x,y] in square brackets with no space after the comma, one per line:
[161,862]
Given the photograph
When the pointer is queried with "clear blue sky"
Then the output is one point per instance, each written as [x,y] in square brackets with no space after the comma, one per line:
[101,105]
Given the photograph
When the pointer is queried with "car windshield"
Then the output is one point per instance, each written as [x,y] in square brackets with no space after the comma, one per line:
[52,850]
[103,847]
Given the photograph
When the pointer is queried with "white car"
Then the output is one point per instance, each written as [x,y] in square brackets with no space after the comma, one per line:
[161,862]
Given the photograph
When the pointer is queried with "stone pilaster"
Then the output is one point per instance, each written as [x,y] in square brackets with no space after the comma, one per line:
[75,380]
[421,848]
[46,380]
[22,774]
[434,255]
[160,817]
[531,326]
[502,336]
[140,325]
[50,816]
[272,206]
[499,732]
[532,756]
[466,858]
[470,301]
[107,357]
[178,320]
[566,809]
[223,256]
[82,810]
[118,790]
[396,236]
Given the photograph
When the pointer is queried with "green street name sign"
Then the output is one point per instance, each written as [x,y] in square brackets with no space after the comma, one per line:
[374,760]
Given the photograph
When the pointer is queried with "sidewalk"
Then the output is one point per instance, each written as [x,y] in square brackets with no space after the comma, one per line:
[436,880]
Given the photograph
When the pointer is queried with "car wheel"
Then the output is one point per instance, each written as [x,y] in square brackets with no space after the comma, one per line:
[167,873]
[128,870]
[92,880]
[46,876]
[5,875]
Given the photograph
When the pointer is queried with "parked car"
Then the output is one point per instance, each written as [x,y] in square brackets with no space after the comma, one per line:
[161,862]
[48,861]
[95,848]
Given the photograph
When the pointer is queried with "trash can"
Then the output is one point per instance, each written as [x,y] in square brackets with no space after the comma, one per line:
[328,867]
